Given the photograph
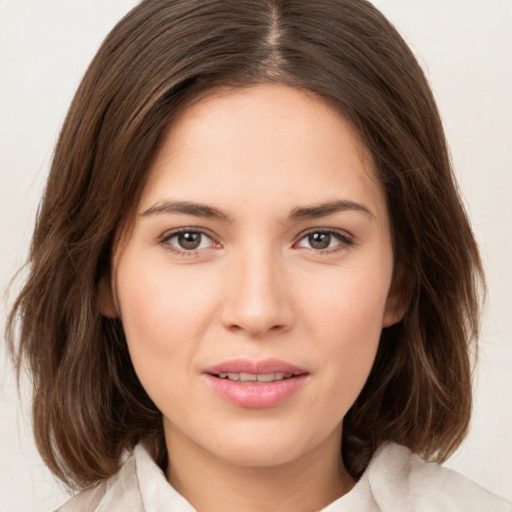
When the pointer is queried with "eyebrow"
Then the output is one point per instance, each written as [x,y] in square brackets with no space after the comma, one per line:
[187,208]
[305,212]
[328,208]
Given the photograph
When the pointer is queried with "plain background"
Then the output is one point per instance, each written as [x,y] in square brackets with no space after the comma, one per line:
[465,46]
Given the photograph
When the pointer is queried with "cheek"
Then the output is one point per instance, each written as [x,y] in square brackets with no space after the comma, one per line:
[163,313]
[345,321]
[347,302]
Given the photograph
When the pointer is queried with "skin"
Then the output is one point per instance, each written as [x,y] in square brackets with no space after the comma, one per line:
[257,287]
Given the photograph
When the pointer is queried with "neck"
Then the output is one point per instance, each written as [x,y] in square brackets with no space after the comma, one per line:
[213,485]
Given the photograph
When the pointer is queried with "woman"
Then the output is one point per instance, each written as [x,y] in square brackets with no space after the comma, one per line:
[253,283]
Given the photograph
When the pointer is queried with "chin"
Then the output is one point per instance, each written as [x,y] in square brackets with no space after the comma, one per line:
[267,447]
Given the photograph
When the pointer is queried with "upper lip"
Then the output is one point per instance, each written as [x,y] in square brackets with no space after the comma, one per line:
[257,367]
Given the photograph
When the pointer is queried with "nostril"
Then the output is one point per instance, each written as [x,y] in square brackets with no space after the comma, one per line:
[235,327]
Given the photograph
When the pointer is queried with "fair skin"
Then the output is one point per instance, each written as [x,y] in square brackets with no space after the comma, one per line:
[258,280]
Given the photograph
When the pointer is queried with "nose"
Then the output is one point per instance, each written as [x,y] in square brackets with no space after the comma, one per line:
[258,296]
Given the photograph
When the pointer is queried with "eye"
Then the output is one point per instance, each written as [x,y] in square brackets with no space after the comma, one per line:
[187,240]
[325,240]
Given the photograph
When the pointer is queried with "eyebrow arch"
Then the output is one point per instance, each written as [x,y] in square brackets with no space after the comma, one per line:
[324,209]
[187,208]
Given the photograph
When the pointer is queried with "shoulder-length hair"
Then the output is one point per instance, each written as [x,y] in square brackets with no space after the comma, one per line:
[88,404]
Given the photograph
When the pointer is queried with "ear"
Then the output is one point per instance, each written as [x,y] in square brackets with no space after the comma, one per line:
[399,298]
[107,303]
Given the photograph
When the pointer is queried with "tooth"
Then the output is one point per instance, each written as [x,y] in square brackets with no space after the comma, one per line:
[251,377]
[266,377]
[247,377]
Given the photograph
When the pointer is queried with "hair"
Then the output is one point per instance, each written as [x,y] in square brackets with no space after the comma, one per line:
[88,404]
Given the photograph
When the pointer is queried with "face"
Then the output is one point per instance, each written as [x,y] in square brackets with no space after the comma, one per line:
[255,282]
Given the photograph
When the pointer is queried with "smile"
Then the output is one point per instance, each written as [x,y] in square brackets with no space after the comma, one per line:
[251,377]
[255,384]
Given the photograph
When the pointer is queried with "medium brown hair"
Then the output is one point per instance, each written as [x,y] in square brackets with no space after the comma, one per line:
[88,404]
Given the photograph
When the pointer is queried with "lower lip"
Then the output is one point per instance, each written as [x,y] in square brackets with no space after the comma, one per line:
[256,395]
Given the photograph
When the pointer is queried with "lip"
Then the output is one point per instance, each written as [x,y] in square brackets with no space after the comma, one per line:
[253,366]
[256,395]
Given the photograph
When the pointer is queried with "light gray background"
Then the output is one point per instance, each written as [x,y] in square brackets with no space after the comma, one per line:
[465,46]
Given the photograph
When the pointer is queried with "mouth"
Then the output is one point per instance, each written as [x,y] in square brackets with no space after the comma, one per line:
[253,377]
[256,384]
[267,368]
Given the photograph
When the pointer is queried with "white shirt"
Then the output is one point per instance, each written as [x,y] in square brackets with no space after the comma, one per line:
[395,481]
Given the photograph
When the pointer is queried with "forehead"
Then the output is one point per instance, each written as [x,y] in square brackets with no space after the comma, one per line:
[259,143]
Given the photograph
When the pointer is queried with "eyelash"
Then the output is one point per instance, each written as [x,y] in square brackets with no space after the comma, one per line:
[165,240]
[345,240]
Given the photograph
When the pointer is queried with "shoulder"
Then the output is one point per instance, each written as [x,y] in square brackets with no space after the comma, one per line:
[120,493]
[400,480]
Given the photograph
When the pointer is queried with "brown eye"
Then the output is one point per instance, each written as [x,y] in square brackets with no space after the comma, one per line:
[189,240]
[325,241]
[319,240]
